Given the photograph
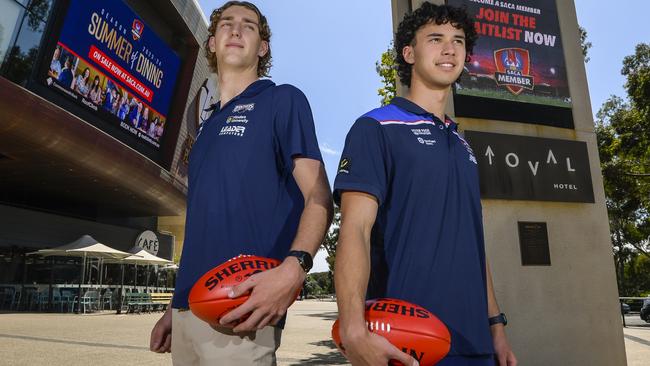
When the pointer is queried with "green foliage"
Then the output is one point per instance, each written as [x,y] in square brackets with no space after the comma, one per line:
[584,44]
[387,69]
[637,272]
[332,238]
[623,132]
[319,284]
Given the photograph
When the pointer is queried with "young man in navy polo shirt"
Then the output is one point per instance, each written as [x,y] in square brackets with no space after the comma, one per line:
[410,202]
[257,185]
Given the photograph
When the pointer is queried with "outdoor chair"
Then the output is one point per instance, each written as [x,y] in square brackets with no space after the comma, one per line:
[29,298]
[7,297]
[41,299]
[89,301]
[56,299]
[107,299]
[68,299]
[15,303]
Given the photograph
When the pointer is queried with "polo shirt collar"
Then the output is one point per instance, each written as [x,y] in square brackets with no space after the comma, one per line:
[411,107]
[252,90]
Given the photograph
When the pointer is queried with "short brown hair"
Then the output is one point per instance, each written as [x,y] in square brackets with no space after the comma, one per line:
[264,64]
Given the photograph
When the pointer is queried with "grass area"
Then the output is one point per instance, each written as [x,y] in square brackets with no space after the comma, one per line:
[526,98]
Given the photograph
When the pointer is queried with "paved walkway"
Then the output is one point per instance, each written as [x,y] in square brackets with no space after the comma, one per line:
[637,341]
[107,339]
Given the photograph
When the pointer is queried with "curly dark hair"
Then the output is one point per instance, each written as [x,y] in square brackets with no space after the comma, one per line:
[264,64]
[426,14]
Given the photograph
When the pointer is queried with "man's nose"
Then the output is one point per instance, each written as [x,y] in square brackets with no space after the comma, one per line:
[235,30]
[448,49]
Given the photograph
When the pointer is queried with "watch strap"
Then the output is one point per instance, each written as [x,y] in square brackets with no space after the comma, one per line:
[304,259]
[499,319]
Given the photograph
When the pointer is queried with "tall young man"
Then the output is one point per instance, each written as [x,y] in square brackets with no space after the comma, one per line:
[257,185]
[411,211]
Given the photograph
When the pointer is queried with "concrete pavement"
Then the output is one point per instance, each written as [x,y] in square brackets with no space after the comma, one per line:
[107,339]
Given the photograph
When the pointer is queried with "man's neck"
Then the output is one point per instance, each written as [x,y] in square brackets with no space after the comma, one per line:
[433,100]
[232,84]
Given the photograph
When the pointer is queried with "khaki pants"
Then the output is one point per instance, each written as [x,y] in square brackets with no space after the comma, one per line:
[194,342]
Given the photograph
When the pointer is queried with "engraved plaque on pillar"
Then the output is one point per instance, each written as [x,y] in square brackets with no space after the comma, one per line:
[533,241]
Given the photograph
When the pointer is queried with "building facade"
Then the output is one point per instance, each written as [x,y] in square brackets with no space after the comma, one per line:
[97,117]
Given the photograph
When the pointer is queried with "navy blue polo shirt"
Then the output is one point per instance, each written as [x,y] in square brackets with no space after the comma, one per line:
[427,243]
[242,197]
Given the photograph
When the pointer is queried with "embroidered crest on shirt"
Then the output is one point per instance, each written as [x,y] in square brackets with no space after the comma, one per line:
[421,131]
[344,165]
[426,141]
[233,130]
[237,119]
[241,108]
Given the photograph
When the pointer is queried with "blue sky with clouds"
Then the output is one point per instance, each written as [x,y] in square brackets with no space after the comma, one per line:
[328,49]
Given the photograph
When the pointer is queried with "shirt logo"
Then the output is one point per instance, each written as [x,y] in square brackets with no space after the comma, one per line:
[421,131]
[233,130]
[241,108]
[237,119]
[426,142]
[344,165]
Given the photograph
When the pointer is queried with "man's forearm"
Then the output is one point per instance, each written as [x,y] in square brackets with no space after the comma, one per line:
[351,275]
[358,213]
[315,220]
[318,210]
[493,306]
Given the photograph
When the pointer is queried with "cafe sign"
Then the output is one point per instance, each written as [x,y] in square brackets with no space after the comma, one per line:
[148,240]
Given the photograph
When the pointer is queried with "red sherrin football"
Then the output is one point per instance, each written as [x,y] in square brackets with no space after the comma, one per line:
[409,327]
[209,299]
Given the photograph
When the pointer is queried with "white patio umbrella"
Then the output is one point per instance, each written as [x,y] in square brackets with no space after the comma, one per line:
[141,256]
[84,247]
[138,256]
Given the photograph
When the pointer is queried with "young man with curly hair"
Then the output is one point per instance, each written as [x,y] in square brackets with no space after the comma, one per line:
[257,186]
[411,211]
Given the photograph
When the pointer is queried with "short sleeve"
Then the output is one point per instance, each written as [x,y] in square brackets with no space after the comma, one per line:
[364,162]
[294,127]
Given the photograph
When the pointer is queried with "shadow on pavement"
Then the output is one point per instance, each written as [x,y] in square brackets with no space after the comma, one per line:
[330,358]
[330,315]
[325,343]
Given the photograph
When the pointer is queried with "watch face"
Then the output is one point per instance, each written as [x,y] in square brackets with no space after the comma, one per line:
[304,259]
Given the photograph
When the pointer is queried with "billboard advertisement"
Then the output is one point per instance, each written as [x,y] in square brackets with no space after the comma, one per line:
[108,60]
[518,58]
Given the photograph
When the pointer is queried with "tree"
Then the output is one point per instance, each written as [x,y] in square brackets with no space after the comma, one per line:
[584,43]
[332,238]
[623,133]
[387,69]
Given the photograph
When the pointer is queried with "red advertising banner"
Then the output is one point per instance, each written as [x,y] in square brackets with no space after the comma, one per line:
[118,72]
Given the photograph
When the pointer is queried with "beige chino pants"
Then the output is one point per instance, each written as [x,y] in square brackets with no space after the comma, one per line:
[194,342]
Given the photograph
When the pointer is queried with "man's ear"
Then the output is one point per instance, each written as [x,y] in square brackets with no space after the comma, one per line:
[408,54]
[264,49]
[211,44]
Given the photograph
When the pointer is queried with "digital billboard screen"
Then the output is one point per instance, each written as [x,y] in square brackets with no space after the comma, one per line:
[109,61]
[518,59]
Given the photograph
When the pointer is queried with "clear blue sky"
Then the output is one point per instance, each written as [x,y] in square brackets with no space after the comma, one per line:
[614,29]
[328,49]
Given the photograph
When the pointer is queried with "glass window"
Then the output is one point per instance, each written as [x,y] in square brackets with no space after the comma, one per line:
[10,18]
[20,36]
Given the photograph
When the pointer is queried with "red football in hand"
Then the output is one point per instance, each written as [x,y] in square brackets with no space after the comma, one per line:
[409,327]
[209,299]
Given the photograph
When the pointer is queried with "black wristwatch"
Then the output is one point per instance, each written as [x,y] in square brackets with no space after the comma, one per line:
[304,258]
[499,319]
